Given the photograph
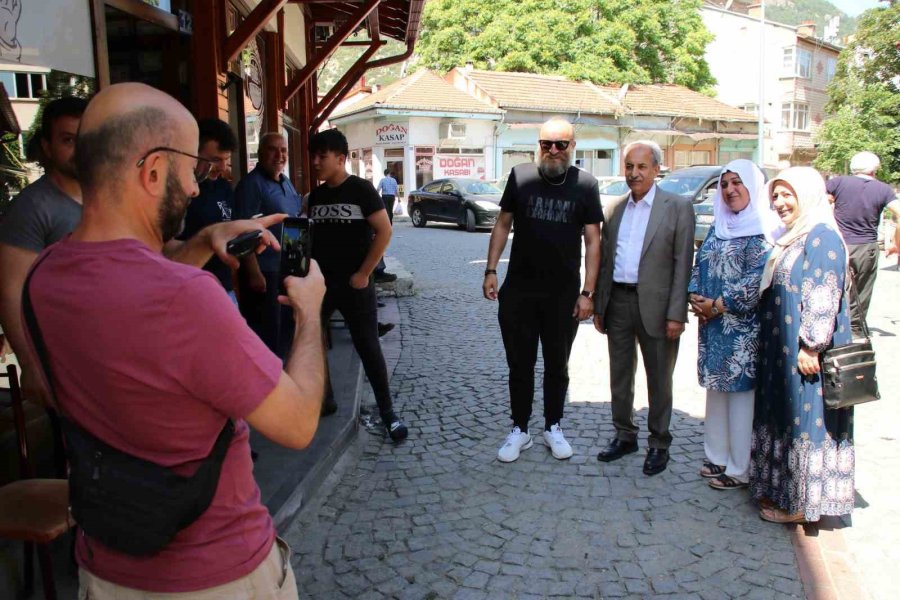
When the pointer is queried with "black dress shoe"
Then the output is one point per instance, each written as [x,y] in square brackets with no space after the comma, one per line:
[656,461]
[384,328]
[616,450]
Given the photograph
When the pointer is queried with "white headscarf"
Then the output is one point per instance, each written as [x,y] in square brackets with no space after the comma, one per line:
[812,205]
[757,218]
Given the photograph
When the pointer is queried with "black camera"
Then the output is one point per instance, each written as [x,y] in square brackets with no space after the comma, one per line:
[296,248]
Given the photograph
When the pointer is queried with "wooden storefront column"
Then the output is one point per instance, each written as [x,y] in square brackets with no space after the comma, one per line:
[273,82]
[205,44]
[306,103]
[248,29]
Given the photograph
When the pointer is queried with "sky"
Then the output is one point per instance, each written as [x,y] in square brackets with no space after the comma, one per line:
[855,7]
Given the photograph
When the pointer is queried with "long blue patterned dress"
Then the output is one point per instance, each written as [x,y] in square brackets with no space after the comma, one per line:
[732,269]
[802,456]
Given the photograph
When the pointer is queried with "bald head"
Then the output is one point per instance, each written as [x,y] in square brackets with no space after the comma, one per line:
[122,123]
[557,129]
[556,146]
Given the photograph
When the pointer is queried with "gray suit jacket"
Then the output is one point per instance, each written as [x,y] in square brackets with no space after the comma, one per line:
[666,260]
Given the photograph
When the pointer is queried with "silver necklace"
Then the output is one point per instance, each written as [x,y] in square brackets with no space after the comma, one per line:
[561,183]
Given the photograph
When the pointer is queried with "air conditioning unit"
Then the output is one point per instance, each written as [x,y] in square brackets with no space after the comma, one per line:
[453,130]
[322,32]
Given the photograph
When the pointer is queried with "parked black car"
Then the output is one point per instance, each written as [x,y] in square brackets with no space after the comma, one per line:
[470,203]
[698,184]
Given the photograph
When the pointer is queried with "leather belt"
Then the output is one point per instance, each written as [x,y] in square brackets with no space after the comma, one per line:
[631,287]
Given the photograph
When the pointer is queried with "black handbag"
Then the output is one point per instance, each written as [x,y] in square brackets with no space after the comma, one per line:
[129,504]
[848,371]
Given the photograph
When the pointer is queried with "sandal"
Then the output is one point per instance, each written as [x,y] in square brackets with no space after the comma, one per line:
[709,470]
[727,482]
[776,515]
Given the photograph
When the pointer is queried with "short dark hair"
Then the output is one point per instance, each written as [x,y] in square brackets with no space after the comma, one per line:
[102,153]
[69,106]
[217,130]
[387,172]
[330,140]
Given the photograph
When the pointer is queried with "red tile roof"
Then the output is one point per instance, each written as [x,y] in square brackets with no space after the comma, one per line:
[423,90]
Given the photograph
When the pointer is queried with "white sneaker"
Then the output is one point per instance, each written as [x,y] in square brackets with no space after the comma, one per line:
[556,441]
[515,442]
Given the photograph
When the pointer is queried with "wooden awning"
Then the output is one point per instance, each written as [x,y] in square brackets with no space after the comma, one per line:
[8,121]
[397,19]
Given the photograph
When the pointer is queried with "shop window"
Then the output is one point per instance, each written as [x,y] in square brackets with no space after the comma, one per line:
[424,166]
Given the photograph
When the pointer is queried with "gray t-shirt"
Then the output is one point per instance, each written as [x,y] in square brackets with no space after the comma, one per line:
[40,215]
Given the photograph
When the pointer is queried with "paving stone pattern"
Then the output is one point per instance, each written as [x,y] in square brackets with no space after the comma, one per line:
[440,517]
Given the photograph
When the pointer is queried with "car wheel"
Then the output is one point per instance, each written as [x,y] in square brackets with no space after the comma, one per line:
[470,220]
[417,217]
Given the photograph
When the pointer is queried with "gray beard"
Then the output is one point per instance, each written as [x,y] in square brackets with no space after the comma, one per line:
[553,168]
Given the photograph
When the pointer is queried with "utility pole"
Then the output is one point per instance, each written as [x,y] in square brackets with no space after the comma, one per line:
[760,110]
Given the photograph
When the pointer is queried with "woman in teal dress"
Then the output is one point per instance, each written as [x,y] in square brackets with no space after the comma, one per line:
[724,294]
[802,459]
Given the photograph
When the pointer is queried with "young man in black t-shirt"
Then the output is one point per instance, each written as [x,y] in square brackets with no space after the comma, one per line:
[552,205]
[346,210]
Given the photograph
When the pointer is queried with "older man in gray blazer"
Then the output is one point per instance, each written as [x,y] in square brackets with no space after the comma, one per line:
[646,255]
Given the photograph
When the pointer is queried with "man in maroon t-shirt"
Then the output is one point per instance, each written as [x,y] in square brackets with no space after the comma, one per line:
[859,199]
[151,357]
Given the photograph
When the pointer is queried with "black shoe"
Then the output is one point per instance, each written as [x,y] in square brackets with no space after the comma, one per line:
[329,406]
[380,304]
[616,450]
[656,461]
[395,427]
[383,328]
[385,277]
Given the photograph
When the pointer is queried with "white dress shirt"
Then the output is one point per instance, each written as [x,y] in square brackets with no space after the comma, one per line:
[631,237]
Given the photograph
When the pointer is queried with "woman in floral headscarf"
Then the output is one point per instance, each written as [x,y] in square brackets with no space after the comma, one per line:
[724,294]
[802,462]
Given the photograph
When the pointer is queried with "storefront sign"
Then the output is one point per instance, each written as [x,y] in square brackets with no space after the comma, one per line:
[458,165]
[391,134]
[47,33]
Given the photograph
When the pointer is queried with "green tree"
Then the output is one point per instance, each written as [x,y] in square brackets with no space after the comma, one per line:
[864,97]
[604,41]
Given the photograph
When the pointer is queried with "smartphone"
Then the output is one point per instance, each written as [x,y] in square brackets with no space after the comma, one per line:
[296,248]
[243,244]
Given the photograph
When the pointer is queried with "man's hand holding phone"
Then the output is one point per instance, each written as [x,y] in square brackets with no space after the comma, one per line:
[304,294]
[221,234]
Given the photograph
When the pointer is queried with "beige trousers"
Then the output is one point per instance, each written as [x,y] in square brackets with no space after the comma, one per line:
[273,579]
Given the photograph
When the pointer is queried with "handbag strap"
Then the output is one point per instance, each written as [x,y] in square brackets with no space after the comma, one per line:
[220,448]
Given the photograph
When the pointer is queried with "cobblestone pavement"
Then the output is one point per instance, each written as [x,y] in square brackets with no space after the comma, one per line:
[440,517]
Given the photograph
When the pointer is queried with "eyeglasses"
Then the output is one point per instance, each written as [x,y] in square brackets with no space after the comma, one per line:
[201,170]
[560,144]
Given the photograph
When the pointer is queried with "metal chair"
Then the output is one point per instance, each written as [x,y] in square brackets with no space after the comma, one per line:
[34,511]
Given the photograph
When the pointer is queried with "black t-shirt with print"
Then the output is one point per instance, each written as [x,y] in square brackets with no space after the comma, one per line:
[341,232]
[549,217]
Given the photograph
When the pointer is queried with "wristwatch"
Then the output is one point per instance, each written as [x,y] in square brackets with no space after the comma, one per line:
[587,294]
[714,310]
[490,272]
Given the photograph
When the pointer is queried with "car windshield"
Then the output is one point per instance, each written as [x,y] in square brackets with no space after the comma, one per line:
[479,188]
[683,185]
[615,188]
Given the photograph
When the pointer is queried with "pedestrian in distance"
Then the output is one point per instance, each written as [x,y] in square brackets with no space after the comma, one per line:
[859,199]
[149,358]
[647,253]
[802,458]
[351,233]
[724,294]
[553,205]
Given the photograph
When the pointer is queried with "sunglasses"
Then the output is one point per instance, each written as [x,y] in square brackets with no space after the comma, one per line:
[560,144]
[201,170]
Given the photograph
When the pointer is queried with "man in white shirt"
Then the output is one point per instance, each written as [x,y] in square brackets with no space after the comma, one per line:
[646,256]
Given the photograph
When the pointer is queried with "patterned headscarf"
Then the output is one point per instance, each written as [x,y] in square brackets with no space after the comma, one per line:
[757,218]
[813,208]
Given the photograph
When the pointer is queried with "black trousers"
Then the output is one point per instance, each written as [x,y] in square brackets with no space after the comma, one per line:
[864,267]
[529,317]
[272,322]
[360,311]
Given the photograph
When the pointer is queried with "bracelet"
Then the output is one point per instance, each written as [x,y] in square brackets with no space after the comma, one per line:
[490,272]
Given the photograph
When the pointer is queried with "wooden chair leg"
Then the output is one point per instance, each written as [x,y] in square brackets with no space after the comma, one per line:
[28,569]
[47,571]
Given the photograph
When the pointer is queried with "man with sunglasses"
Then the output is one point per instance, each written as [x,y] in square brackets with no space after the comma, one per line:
[266,190]
[214,203]
[552,204]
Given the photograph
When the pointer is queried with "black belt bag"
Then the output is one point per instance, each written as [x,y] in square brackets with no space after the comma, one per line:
[848,371]
[129,504]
